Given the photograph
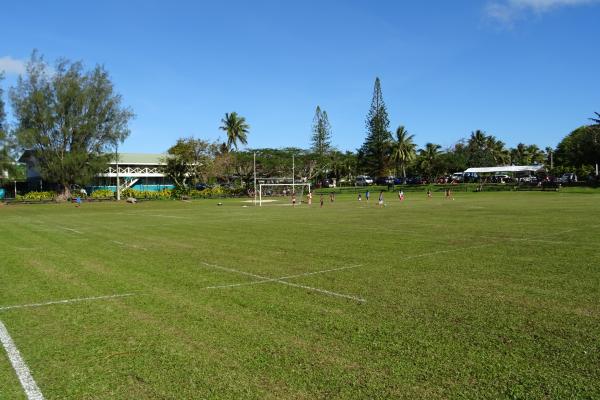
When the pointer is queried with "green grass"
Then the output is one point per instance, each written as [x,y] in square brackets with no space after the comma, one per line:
[493,295]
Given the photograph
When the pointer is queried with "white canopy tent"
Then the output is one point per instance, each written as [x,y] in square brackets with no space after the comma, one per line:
[506,168]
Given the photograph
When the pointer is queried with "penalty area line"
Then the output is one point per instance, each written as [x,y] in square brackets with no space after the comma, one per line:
[66,301]
[32,391]
[283,277]
[282,282]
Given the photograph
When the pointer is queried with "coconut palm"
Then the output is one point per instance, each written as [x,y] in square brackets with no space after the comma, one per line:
[477,140]
[236,128]
[519,155]
[499,154]
[429,156]
[403,149]
[535,154]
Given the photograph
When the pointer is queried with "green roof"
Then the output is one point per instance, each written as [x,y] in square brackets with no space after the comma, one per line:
[141,158]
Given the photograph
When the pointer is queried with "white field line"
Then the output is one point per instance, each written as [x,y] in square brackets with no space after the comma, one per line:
[524,239]
[330,293]
[27,382]
[71,230]
[165,216]
[48,303]
[446,251]
[133,246]
[283,277]
[570,230]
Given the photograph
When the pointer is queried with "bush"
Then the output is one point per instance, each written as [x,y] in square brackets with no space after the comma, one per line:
[36,196]
[146,194]
[102,194]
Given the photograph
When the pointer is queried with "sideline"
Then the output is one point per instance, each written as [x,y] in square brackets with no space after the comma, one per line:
[32,391]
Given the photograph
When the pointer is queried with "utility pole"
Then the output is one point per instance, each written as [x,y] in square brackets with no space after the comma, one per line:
[293,174]
[118,181]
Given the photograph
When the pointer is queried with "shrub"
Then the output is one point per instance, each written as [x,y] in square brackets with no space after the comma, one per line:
[102,194]
[36,196]
[146,194]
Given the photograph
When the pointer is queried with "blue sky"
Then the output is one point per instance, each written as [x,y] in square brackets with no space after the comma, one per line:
[523,70]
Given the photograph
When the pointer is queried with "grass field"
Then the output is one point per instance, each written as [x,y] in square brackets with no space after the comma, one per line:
[488,296]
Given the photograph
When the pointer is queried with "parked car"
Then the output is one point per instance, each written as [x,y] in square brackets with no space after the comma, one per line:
[385,180]
[364,180]
[457,177]
[326,183]
[414,180]
[399,181]
[500,178]
[568,178]
[201,186]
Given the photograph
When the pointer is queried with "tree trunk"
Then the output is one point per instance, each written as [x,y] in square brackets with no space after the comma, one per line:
[66,193]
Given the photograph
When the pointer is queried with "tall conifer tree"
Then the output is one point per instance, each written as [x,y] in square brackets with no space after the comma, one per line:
[321,133]
[375,152]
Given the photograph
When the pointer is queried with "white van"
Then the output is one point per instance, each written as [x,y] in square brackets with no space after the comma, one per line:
[364,180]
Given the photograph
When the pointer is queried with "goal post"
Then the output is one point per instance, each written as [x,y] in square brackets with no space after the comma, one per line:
[282,190]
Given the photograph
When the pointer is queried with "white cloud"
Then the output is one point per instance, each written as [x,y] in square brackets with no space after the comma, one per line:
[12,65]
[506,11]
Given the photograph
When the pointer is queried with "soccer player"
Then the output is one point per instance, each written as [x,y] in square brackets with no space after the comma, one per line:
[401,195]
[359,197]
[309,196]
[381,199]
[367,194]
[293,199]
[321,199]
[428,193]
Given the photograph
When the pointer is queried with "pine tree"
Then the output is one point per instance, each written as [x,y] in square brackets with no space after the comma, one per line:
[321,137]
[376,149]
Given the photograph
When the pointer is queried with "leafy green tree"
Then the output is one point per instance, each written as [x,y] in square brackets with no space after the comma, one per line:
[321,133]
[403,150]
[580,148]
[236,128]
[69,118]
[178,170]
[198,155]
[455,159]
[375,152]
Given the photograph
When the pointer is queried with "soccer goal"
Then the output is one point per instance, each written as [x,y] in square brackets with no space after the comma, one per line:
[286,190]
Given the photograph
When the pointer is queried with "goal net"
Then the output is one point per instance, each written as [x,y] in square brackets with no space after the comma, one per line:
[281,191]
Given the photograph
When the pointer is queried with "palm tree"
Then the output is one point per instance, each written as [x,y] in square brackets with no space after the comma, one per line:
[403,149]
[429,157]
[499,154]
[519,155]
[477,140]
[535,154]
[236,128]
